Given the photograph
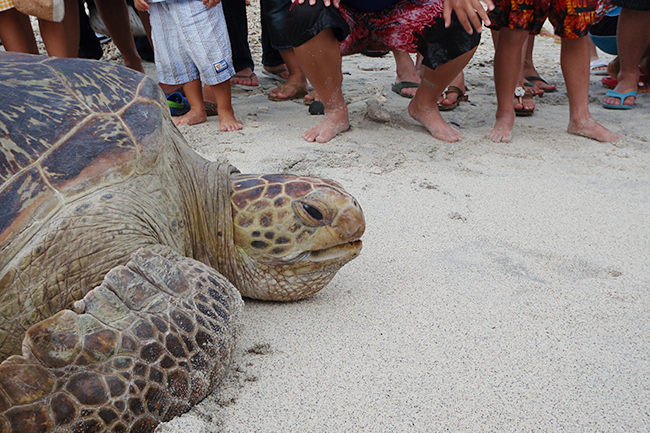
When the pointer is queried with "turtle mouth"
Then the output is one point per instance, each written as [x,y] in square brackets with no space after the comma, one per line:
[339,252]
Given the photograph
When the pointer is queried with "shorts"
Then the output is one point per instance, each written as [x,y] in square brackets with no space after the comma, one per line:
[635,5]
[5,5]
[408,25]
[190,42]
[570,18]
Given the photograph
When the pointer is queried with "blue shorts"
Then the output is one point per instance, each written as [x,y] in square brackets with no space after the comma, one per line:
[190,42]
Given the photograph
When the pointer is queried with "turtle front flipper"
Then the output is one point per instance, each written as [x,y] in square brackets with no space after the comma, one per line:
[152,340]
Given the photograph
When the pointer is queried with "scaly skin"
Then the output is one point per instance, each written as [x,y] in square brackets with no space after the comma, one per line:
[152,340]
[103,192]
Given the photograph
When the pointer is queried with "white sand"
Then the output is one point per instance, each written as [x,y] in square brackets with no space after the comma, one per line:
[502,287]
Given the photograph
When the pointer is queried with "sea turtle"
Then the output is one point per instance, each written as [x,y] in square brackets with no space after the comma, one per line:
[99,190]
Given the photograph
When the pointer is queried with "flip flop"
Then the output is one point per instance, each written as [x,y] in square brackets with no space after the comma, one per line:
[178,104]
[245,77]
[300,93]
[598,63]
[621,96]
[533,78]
[398,87]
[276,75]
[609,82]
[462,97]
[522,94]
[644,82]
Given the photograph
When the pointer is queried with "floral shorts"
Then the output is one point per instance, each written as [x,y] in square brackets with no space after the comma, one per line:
[570,18]
[408,25]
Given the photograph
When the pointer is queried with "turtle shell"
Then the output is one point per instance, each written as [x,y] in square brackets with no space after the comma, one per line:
[69,127]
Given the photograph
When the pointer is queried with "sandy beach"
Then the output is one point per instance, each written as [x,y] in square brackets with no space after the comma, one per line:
[502,287]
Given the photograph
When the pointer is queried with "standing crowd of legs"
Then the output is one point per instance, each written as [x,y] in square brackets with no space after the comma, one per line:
[201,48]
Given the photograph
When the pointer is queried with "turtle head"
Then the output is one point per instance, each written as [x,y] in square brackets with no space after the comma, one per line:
[291,234]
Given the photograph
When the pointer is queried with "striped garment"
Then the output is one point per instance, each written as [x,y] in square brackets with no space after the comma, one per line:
[190,42]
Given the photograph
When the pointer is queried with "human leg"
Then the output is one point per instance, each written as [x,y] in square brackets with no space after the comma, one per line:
[574,59]
[507,53]
[320,59]
[406,72]
[274,13]
[633,40]
[296,85]
[194,93]
[16,32]
[530,73]
[235,13]
[227,120]
[115,16]
[424,106]
[62,39]
[272,60]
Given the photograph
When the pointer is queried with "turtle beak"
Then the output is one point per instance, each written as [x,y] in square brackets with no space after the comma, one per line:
[343,253]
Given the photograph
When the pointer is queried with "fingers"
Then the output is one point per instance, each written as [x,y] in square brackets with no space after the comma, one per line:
[469,13]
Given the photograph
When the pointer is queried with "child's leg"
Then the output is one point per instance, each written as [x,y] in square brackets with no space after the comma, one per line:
[507,67]
[16,32]
[194,94]
[62,39]
[574,59]
[227,121]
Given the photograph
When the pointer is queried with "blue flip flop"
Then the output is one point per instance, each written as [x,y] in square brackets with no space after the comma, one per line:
[178,104]
[621,96]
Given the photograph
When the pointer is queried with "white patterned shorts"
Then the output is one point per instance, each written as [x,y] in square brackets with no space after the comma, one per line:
[190,42]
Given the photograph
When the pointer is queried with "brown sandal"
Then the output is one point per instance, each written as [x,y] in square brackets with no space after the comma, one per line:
[462,97]
[522,94]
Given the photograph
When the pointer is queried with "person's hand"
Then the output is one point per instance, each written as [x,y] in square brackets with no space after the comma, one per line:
[466,11]
[141,5]
[328,3]
[211,3]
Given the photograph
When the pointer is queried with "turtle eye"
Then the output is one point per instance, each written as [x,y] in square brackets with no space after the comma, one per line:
[313,212]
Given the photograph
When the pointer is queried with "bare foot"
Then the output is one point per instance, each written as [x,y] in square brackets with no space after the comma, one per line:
[613,67]
[502,130]
[311,97]
[192,117]
[332,124]
[227,121]
[539,86]
[432,120]
[524,105]
[245,77]
[288,91]
[591,129]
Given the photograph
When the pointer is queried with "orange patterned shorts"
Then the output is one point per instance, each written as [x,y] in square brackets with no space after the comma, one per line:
[570,18]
